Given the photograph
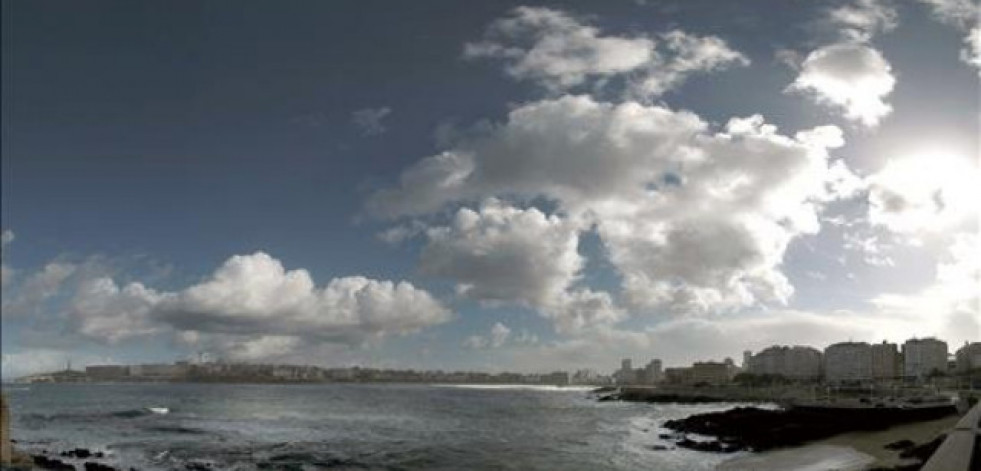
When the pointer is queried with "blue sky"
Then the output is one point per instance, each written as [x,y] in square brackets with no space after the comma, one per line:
[263,182]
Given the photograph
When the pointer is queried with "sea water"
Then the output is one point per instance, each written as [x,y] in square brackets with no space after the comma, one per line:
[350,426]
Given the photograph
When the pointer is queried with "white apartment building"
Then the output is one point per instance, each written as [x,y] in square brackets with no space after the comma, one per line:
[968,357]
[797,362]
[848,362]
[886,362]
[924,356]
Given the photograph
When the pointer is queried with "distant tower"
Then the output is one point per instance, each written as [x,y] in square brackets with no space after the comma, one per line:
[626,364]
[747,356]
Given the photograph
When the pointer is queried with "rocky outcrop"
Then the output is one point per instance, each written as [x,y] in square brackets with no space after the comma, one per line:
[750,428]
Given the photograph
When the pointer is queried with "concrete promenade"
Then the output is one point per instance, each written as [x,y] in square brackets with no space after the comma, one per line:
[961,445]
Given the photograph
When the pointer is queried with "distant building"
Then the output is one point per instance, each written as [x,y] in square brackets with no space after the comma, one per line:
[797,362]
[848,362]
[106,372]
[158,371]
[711,372]
[886,362]
[557,378]
[922,357]
[968,357]
[626,373]
[653,372]
[679,375]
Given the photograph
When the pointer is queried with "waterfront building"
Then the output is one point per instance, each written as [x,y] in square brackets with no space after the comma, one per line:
[796,362]
[106,372]
[968,357]
[923,357]
[653,372]
[711,372]
[626,373]
[886,362]
[848,362]
[679,375]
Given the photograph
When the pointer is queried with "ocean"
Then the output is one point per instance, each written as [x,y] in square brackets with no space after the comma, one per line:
[350,426]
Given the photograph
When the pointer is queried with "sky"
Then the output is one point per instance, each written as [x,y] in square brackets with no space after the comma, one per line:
[485,185]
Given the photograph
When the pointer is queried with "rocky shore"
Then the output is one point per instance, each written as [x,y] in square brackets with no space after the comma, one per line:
[755,429]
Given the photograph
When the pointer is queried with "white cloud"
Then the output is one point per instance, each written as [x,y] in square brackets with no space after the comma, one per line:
[499,334]
[684,54]
[369,120]
[972,50]
[690,218]
[37,288]
[852,77]
[950,307]
[254,294]
[551,47]
[503,254]
[102,310]
[933,192]
[862,19]
[248,307]
[560,52]
[963,15]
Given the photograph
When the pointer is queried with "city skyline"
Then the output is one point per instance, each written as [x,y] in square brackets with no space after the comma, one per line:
[498,186]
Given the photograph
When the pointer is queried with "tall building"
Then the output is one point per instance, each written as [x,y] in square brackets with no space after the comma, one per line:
[922,357]
[797,362]
[626,373]
[652,372]
[968,357]
[885,361]
[848,362]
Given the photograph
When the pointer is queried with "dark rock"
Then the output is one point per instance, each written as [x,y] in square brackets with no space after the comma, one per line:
[900,445]
[658,448]
[53,464]
[609,397]
[761,429]
[604,389]
[77,453]
[93,466]
[925,451]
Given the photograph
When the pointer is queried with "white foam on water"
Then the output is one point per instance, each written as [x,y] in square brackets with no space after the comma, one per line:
[158,410]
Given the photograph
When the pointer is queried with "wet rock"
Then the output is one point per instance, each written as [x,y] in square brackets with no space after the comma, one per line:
[925,451]
[82,453]
[658,448]
[53,464]
[609,397]
[900,445]
[762,429]
[94,466]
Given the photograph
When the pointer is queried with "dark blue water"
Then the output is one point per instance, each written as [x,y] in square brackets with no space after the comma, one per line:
[338,426]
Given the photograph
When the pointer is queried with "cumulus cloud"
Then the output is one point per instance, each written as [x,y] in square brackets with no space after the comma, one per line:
[498,336]
[927,193]
[503,254]
[250,306]
[690,218]
[255,294]
[38,288]
[369,120]
[852,77]
[102,310]
[560,52]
